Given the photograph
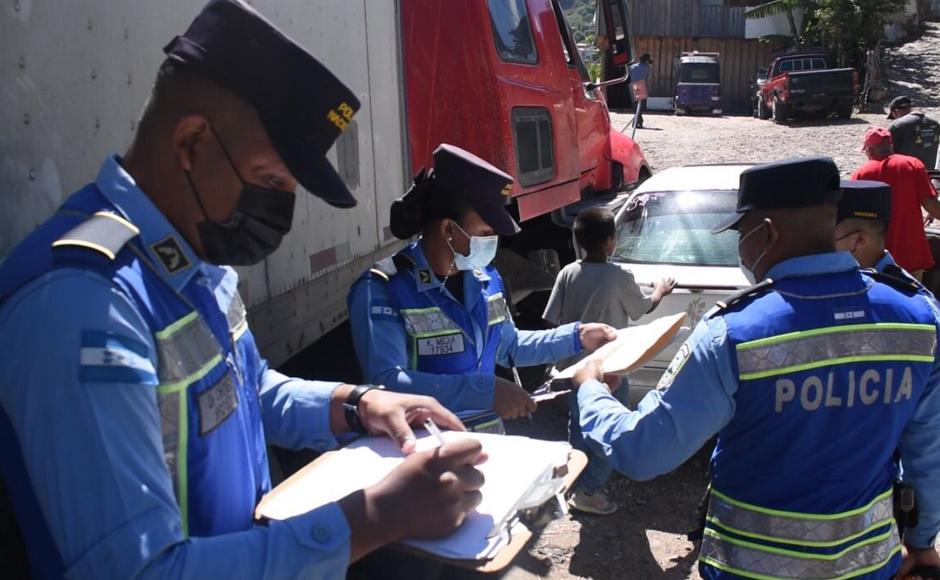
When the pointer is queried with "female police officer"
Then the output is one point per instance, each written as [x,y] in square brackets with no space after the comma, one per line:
[433,319]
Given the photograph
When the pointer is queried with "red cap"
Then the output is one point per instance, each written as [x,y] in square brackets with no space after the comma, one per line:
[875,136]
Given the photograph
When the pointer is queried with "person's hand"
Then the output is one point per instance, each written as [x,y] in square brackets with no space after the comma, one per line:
[594,335]
[591,371]
[510,401]
[393,414]
[664,287]
[427,496]
[914,557]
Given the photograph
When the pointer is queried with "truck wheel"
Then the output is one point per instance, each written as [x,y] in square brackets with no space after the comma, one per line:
[762,112]
[844,110]
[781,112]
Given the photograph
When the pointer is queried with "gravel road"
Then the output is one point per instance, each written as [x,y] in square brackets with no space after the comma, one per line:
[646,538]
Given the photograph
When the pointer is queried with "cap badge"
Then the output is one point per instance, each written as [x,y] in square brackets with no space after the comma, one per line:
[171,255]
[341,116]
[507,189]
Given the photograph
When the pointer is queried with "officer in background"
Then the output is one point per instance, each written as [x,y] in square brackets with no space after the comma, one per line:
[913,132]
[862,221]
[433,319]
[134,405]
[795,375]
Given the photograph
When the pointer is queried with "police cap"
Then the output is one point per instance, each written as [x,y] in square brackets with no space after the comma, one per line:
[791,183]
[485,188]
[866,200]
[902,102]
[302,105]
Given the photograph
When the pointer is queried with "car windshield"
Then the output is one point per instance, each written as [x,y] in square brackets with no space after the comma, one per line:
[698,72]
[674,227]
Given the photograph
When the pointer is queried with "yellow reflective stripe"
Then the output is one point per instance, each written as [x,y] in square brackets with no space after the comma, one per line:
[746,574]
[176,326]
[438,333]
[182,476]
[809,543]
[180,385]
[800,555]
[801,515]
[421,310]
[833,329]
[837,361]
[85,244]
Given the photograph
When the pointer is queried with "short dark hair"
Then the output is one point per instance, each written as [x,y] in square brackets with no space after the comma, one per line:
[593,227]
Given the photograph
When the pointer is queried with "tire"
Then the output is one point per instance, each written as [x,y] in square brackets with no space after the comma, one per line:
[844,110]
[762,112]
[780,112]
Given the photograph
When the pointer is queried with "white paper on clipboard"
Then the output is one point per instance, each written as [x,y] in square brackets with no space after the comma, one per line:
[633,347]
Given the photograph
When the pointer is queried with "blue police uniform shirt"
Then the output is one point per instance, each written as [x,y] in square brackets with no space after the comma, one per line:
[670,425]
[93,449]
[381,340]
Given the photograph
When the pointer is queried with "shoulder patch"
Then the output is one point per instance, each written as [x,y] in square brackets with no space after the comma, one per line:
[384,269]
[893,276]
[104,232]
[723,305]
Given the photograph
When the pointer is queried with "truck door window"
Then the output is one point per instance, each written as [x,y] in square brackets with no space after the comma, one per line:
[786,66]
[818,64]
[568,44]
[512,31]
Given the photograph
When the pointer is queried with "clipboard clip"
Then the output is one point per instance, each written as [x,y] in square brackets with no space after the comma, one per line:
[545,487]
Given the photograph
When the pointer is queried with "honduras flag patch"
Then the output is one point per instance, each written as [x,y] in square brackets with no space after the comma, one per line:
[110,358]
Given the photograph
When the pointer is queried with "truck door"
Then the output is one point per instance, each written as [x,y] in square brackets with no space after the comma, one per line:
[591,115]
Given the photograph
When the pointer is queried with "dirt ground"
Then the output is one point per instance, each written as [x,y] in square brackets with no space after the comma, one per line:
[646,538]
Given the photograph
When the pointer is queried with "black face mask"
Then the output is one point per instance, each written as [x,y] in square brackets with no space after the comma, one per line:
[261,219]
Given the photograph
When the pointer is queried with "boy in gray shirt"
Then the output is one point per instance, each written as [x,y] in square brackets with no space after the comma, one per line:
[597,290]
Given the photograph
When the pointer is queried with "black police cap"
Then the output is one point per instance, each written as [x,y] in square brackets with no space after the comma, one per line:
[902,102]
[866,200]
[485,188]
[304,108]
[791,183]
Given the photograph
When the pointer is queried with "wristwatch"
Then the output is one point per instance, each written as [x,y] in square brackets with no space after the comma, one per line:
[351,407]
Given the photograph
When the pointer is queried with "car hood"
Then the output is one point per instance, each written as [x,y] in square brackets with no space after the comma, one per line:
[721,278]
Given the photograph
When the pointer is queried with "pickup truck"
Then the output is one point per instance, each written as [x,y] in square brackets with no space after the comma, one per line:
[804,83]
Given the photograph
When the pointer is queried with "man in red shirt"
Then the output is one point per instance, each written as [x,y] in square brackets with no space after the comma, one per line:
[911,190]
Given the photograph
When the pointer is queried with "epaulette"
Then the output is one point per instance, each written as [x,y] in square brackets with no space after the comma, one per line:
[388,267]
[730,301]
[104,232]
[895,279]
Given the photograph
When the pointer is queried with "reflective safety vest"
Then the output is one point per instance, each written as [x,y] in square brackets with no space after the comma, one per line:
[830,370]
[208,385]
[443,337]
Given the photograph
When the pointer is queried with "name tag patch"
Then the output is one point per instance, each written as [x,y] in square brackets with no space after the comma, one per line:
[440,345]
[216,404]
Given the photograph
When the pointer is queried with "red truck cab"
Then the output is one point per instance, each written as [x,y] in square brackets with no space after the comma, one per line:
[804,83]
[504,80]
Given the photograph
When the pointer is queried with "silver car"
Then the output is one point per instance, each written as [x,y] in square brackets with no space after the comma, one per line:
[663,230]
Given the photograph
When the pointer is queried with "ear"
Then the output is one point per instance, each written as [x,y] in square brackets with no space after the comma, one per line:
[773,234]
[190,134]
[446,229]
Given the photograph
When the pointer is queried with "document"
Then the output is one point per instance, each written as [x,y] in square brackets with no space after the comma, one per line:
[516,468]
[633,347]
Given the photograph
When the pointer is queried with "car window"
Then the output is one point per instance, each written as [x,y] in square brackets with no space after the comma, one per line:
[819,64]
[786,66]
[511,31]
[699,72]
[675,228]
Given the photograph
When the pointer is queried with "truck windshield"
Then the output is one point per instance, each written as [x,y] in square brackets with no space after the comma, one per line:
[674,227]
[699,72]
[512,32]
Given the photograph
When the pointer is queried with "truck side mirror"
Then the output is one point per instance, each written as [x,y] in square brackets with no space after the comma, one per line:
[614,23]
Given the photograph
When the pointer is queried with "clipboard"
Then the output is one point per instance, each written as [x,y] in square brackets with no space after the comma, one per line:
[518,534]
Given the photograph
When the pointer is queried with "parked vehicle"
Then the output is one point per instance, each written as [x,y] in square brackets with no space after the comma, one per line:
[664,229]
[502,78]
[698,84]
[803,83]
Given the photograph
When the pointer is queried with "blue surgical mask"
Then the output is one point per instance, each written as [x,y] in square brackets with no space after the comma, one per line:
[482,251]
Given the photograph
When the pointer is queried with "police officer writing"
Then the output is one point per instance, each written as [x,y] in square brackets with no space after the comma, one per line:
[795,375]
[135,405]
[433,319]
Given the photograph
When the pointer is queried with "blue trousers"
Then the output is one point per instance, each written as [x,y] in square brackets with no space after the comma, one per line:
[598,469]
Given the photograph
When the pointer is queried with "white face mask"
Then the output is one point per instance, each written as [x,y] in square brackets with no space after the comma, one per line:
[482,251]
[749,270]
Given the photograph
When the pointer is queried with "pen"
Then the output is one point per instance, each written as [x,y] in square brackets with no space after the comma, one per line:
[434,430]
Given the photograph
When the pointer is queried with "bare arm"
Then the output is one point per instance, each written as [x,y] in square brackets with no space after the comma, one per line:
[932,205]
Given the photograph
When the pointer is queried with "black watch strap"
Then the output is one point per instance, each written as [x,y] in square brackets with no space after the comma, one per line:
[351,407]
